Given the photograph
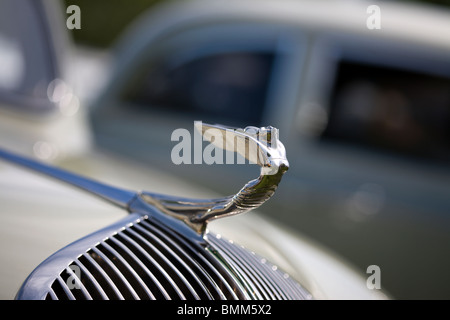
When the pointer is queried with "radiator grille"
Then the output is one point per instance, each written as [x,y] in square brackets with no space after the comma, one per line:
[146,260]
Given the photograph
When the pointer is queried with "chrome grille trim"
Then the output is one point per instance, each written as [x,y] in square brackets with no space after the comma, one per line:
[67,292]
[83,291]
[51,295]
[141,271]
[123,285]
[261,291]
[188,267]
[197,261]
[108,285]
[178,277]
[163,267]
[95,289]
[134,283]
[260,271]
[140,258]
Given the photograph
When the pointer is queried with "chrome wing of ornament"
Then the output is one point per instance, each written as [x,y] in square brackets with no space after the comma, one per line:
[258,145]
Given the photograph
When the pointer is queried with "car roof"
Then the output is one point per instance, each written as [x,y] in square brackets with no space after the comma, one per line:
[420,24]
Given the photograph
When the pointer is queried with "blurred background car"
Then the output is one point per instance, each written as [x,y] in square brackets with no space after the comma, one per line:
[364,114]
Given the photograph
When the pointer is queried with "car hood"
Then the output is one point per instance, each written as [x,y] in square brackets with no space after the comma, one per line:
[41,215]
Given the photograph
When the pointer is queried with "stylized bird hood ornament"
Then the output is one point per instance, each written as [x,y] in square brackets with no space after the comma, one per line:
[258,145]
[186,215]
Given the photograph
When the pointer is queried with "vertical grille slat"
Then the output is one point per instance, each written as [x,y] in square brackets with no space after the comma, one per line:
[62,290]
[79,291]
[146,274]
[162,275]
[260,292]
[177,277]
[114,273]
[191,281]
[90,282]
[189,263]
[264,272]
[51,295]
[105,281]
[148,260]
[139,286]
[288,287]
[243,257]
[210,266]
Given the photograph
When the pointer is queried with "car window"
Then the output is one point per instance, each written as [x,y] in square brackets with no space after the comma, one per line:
[392,110]
[227,86]
[26,66]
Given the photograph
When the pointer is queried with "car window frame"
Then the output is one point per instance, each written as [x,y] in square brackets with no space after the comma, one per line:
[331,48]
[287,43]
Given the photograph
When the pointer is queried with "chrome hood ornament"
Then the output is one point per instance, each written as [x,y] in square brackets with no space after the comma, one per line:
[259,145]
[185,215]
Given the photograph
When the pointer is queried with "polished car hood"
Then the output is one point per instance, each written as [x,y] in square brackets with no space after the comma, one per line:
[41,215]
